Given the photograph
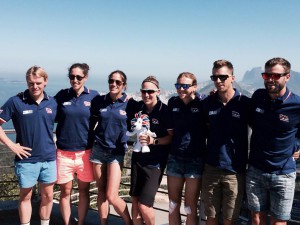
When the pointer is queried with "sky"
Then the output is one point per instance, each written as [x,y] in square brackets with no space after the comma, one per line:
[157,37]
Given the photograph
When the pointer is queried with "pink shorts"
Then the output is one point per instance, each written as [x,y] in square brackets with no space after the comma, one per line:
[69,163]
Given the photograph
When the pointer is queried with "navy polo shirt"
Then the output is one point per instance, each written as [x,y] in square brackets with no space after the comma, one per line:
[73,119]
[110,132]
[227,141]
[275,132]
[34,124]
[189,128]
[160,123]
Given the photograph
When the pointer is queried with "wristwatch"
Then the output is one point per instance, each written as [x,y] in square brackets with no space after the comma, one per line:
[155,141]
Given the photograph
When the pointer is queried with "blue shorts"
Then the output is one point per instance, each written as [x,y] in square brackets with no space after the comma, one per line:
[29,173]
[270,192]
[103,156]
[184,168]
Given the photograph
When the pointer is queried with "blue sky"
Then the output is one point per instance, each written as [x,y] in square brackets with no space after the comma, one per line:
[161,38]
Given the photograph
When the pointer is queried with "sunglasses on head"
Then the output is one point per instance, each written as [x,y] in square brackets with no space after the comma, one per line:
[184,86]
[148,91]
[274,76]
[78,77]
[118,82]
[220,77]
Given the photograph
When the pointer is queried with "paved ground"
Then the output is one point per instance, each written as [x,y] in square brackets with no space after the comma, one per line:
[9,216]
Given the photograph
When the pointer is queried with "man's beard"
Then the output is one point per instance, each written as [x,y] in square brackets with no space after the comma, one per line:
[276,90]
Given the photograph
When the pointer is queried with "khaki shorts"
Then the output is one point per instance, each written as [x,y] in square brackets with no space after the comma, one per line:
[222,189]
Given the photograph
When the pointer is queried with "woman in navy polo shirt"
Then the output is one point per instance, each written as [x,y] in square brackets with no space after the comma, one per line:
[109,113]
[147,168]
[185,164]
[73,141]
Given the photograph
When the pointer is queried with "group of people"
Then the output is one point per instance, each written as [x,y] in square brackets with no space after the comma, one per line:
[201,141]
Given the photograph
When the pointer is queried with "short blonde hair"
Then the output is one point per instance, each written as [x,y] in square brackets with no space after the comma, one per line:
[36,71]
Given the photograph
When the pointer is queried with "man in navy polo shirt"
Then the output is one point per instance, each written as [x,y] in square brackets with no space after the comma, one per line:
[226,113]
[33,113]
[270,181]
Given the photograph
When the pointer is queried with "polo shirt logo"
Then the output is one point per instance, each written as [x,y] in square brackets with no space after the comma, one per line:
[175,110]
[155,121]
[49,110]
[67,103]
[194,110]
[212,113]
[122,112]
[86,103]
[27,112]
[283,118]
[260,110]
[236,114]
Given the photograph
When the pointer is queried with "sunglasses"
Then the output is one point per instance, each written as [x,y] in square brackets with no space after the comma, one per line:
[220,77]
[148,91]
[78,77]
[184,86]
[274,76]
[118,82]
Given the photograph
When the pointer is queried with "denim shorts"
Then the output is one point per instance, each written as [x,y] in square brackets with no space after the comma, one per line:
[270,192]
[184,168]
[103,156]
[29,173]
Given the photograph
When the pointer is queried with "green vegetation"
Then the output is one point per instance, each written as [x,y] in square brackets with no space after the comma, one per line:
[9,189]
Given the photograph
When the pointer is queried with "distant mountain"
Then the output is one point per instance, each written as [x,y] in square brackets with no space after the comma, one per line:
[251,75]
[241,89]
[294,82]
